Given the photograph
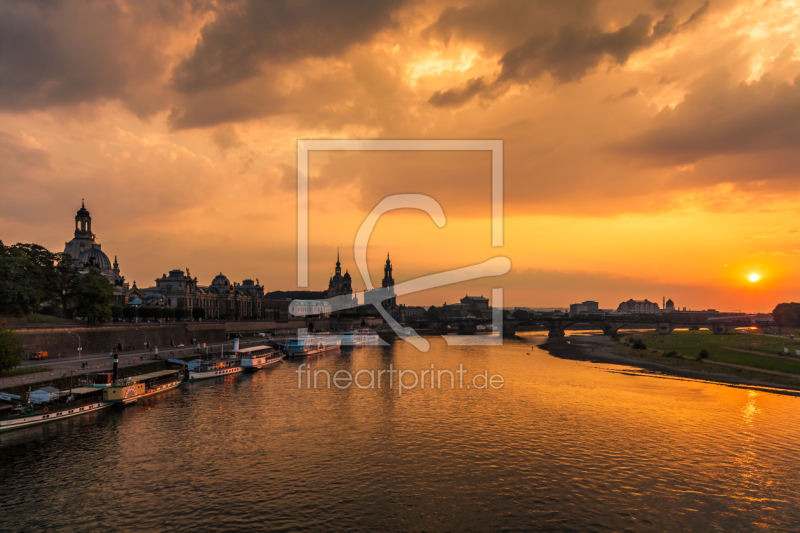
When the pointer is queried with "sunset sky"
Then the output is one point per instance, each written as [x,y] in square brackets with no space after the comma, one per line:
[652,148]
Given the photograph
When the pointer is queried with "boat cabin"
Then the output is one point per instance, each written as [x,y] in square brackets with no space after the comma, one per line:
[45,394]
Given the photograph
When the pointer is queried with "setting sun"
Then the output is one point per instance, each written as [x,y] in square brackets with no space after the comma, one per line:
[754,277]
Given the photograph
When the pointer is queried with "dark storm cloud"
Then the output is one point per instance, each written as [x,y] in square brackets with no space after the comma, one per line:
[501,24]
[459,96]
[719,117]
[567,55]
[246,35]
[575,51]
[67,53]
[697,14]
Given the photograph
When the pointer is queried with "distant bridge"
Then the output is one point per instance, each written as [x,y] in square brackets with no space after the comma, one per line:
[664,323]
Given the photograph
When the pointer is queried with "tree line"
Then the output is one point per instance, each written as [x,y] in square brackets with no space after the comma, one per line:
[36,280]
[787,315]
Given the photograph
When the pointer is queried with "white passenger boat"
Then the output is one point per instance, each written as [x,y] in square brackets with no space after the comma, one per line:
[128,390]
[214,368]
[306,345]
[77,401]
[257,357]
[360,337]
[99,391]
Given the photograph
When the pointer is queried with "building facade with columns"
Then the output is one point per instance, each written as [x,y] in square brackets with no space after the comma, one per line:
[220,300]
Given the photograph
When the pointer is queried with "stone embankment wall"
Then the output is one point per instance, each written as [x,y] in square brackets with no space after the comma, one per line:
[126,337]
[103,338]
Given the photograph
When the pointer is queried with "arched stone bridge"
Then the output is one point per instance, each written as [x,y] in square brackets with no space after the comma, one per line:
[664,323]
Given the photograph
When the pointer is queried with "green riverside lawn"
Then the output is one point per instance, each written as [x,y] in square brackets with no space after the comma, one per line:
[747,349]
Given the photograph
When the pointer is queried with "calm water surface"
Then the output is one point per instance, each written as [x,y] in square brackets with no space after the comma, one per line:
[563,446]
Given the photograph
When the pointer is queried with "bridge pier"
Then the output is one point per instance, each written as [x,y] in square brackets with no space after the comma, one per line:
[509,329]
[556,330]
[664,328]
[610,329]
[722,328]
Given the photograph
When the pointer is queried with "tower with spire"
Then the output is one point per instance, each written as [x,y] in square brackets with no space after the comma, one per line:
[83,238]
[388,282]
[339,285]
[87,254]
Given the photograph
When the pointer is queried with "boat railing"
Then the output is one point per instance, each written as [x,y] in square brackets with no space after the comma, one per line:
[56,406]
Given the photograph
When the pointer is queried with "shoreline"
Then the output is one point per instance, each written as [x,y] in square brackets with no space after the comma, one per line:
[600,349]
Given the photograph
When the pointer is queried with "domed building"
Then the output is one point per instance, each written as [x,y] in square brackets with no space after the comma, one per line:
[87,253]
[94,257]
[219,300]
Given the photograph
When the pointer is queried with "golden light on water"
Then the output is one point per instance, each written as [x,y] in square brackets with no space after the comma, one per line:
[754,277]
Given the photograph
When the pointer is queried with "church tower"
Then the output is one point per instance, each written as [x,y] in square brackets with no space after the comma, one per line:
[84,238]
[339,285]
[388,281]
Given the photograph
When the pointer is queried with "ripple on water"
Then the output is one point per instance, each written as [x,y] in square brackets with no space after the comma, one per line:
[563,446]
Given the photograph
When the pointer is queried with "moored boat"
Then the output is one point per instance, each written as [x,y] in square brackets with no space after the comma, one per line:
[214,368]
[129,390]
[98,392]
[306,345]
[360,337]
[257,357]
[77,401]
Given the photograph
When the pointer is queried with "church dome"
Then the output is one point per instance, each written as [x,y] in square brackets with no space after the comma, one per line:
[220,280]
[82,212]
[96,258]
[346,276]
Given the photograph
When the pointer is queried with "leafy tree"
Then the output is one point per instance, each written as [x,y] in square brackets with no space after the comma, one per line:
[38,255]
[130,312]
[117,311]
[21,282]
[432,314]
[156,312]
[787,315]
[93,296]
[198,312]
[34,279]
[168,312]
[10,349]
[64,282]
[519,314]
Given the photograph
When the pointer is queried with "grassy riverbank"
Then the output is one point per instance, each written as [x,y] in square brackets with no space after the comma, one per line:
[737,348]
[679,354]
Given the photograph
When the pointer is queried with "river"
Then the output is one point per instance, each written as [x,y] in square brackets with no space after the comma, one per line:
[562,445]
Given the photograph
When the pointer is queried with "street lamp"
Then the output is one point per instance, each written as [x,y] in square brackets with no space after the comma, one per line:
[145,337]
[79,344]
